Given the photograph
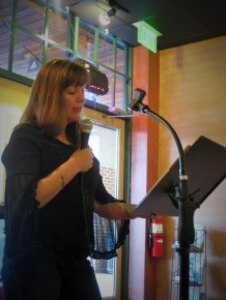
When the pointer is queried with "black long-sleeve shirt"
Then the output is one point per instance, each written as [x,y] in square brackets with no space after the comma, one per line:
[65,224]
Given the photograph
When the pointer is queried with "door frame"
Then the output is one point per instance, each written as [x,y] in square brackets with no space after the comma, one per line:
[111,121]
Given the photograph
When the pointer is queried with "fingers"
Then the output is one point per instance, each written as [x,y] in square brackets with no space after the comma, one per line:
[84,159]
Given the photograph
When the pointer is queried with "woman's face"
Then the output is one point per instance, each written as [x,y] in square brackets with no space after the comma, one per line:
[73,98]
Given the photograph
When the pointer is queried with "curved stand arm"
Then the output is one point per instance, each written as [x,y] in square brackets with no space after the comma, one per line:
[182,167]
[186,208]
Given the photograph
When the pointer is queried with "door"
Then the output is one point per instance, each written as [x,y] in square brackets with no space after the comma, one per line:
[107,141]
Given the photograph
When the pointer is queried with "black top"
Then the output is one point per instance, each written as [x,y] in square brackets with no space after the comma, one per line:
[64,225]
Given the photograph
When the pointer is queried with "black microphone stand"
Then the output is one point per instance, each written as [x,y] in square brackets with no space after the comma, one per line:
[186,208]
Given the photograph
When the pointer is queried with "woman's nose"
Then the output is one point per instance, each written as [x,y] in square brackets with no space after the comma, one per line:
[81,97]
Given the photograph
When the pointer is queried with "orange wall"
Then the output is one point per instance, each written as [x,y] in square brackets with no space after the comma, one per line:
[193,100]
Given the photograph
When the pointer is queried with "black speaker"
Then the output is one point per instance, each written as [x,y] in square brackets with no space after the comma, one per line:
[98,83]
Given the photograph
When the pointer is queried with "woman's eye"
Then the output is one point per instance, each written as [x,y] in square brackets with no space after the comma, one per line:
[71,92]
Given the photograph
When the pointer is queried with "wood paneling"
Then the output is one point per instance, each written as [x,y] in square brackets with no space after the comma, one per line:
[142,268]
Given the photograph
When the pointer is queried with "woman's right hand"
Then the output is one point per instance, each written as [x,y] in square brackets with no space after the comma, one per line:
[83,159]
[49,186]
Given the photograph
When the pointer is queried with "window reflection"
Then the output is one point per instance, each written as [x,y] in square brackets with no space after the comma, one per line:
[6,9]
[119,92]
[90,96]
[27,55]
[120,60]
[4,44]
[57,28]
[31,16]
[106,52]
[107,99]
[54,52]
[86,42]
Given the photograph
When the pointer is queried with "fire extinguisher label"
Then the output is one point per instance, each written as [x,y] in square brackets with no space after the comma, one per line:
[159,241]
[157,228]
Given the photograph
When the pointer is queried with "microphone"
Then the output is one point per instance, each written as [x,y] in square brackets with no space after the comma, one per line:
[85,129]
[136,104]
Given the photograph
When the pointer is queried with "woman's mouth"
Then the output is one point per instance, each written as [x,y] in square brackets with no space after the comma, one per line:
[77,109]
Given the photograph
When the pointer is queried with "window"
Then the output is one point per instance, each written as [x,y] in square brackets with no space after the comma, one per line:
[33,32]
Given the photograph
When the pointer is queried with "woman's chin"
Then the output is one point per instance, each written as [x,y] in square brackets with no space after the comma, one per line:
[74,118]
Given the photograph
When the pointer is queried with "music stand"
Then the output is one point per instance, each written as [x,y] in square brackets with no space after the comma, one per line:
[179,193]
[206,169]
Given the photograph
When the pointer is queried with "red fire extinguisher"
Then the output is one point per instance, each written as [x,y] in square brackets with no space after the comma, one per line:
[156,236]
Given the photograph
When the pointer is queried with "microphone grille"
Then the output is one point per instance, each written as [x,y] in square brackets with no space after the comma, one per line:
[86,126]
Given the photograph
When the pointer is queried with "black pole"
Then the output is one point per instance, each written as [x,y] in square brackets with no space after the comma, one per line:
[186,208]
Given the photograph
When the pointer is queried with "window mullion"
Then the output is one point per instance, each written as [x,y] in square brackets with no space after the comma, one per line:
[96,46]
[115,71]
[45,34]
[12,36]
[76,24]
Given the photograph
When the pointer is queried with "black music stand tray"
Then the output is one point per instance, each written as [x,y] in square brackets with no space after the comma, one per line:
[206,168]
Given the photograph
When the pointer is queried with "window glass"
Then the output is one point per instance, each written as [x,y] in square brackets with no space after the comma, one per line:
[31,16]
[4,44]
[119,88]
[105,269]
[106,53]
[53,52]
[107,99]
[115,96]
[6,9]
[86,41]
[27,55]
[57,28]
[120,59]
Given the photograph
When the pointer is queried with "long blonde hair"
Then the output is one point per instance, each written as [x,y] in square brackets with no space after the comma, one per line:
[45,105]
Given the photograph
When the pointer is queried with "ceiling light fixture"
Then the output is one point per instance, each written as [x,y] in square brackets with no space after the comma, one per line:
[104,18]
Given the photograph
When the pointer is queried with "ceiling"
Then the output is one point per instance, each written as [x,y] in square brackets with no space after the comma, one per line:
[179,21]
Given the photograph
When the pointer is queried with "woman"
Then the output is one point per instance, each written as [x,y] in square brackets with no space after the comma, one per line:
[52,189]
